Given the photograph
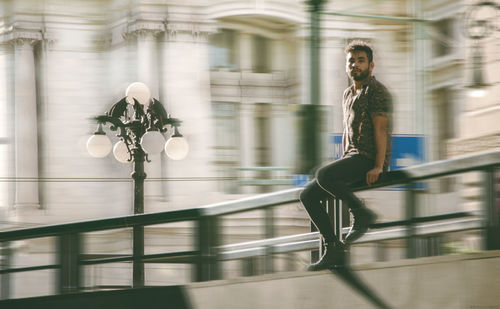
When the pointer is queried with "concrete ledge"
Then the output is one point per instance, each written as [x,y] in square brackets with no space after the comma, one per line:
[444,282]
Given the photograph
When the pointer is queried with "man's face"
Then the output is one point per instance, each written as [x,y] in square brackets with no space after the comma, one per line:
[358,67]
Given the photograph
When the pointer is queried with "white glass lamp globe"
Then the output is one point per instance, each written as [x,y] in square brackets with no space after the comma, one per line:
[99,145]
[152,142]
[176,148]
[120,152]
[477,93]
[138,91]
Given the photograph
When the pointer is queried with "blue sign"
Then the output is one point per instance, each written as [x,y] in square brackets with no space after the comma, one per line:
[300,180]
[407,150]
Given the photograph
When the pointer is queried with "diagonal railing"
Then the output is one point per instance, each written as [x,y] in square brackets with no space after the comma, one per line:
[208,253]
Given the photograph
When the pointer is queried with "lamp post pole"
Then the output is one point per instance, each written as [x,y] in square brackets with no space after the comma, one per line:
[310,113]
[139,176]
[140,131]
[138,231]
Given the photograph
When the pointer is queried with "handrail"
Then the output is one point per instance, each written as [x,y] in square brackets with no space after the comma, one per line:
[409,174]
[208,252]
[252,203]
[311,241]
[453,166]
[101,224]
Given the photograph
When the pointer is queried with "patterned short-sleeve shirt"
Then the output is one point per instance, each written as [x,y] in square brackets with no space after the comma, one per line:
[359,107]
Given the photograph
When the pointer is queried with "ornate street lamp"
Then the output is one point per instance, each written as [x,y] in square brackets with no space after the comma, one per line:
[481,20]
[140,122]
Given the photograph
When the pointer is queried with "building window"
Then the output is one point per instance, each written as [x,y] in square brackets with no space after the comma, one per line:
[226,144]
[261,54]
[224,50]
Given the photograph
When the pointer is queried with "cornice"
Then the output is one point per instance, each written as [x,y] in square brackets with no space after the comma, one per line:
[103,41]
[192,31]
[21,36]
[143,28]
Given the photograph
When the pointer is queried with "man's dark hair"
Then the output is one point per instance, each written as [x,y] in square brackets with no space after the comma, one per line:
[357,46]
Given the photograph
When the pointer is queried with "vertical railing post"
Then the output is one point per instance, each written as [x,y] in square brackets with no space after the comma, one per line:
[4,265]
[269,233]
[69,246]
[380,251]
[249,266]
[491,212]
[339,219]
[330,210]
[410,204]
[315,254]
[207,239]
[138,254]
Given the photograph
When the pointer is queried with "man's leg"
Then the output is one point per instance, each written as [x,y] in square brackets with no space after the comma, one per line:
[335,179]
[312,197]
[334,253]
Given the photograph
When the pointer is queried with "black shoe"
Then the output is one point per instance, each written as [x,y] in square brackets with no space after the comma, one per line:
[363,218]
[335,255]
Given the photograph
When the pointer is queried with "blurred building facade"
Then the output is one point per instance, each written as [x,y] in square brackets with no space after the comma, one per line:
[236,74]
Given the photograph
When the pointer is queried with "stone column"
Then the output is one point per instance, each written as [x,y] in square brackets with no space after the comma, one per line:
[26,133]
[146,34]
[5,130]
[147,59]
[246,51]
[247,114]
[186,82]
[281,135]
[247,140]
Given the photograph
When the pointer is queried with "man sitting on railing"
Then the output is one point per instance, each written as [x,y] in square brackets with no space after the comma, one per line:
[367,107]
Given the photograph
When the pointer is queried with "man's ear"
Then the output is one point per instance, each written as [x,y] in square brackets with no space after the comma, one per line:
[372,65]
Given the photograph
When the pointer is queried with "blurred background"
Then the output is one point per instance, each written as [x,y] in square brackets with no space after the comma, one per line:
[240,76]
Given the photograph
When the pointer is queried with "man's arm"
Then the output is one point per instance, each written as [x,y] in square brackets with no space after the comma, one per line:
[380,131]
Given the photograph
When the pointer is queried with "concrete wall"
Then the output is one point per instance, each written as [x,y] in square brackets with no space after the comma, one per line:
[454,282]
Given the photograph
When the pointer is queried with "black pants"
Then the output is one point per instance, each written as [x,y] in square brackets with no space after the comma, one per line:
[333,180]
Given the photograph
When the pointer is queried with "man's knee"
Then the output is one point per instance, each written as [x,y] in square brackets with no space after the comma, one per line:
[325,175]
[306,194]
[328,181]
[320,174]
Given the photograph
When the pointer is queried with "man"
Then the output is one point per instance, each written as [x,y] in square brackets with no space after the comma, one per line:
[367,107]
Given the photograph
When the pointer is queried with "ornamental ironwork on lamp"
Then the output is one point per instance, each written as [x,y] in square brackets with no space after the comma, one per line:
[140,122]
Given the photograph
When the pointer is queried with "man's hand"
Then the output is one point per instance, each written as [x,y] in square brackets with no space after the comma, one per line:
[372,175]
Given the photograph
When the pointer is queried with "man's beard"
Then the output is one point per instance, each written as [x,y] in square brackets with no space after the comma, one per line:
[361,76]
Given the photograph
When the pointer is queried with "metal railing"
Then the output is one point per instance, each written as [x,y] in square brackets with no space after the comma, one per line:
[208,253]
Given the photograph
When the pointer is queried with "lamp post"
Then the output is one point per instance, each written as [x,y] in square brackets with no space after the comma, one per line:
[480,21]
[310,114]
[140,122]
